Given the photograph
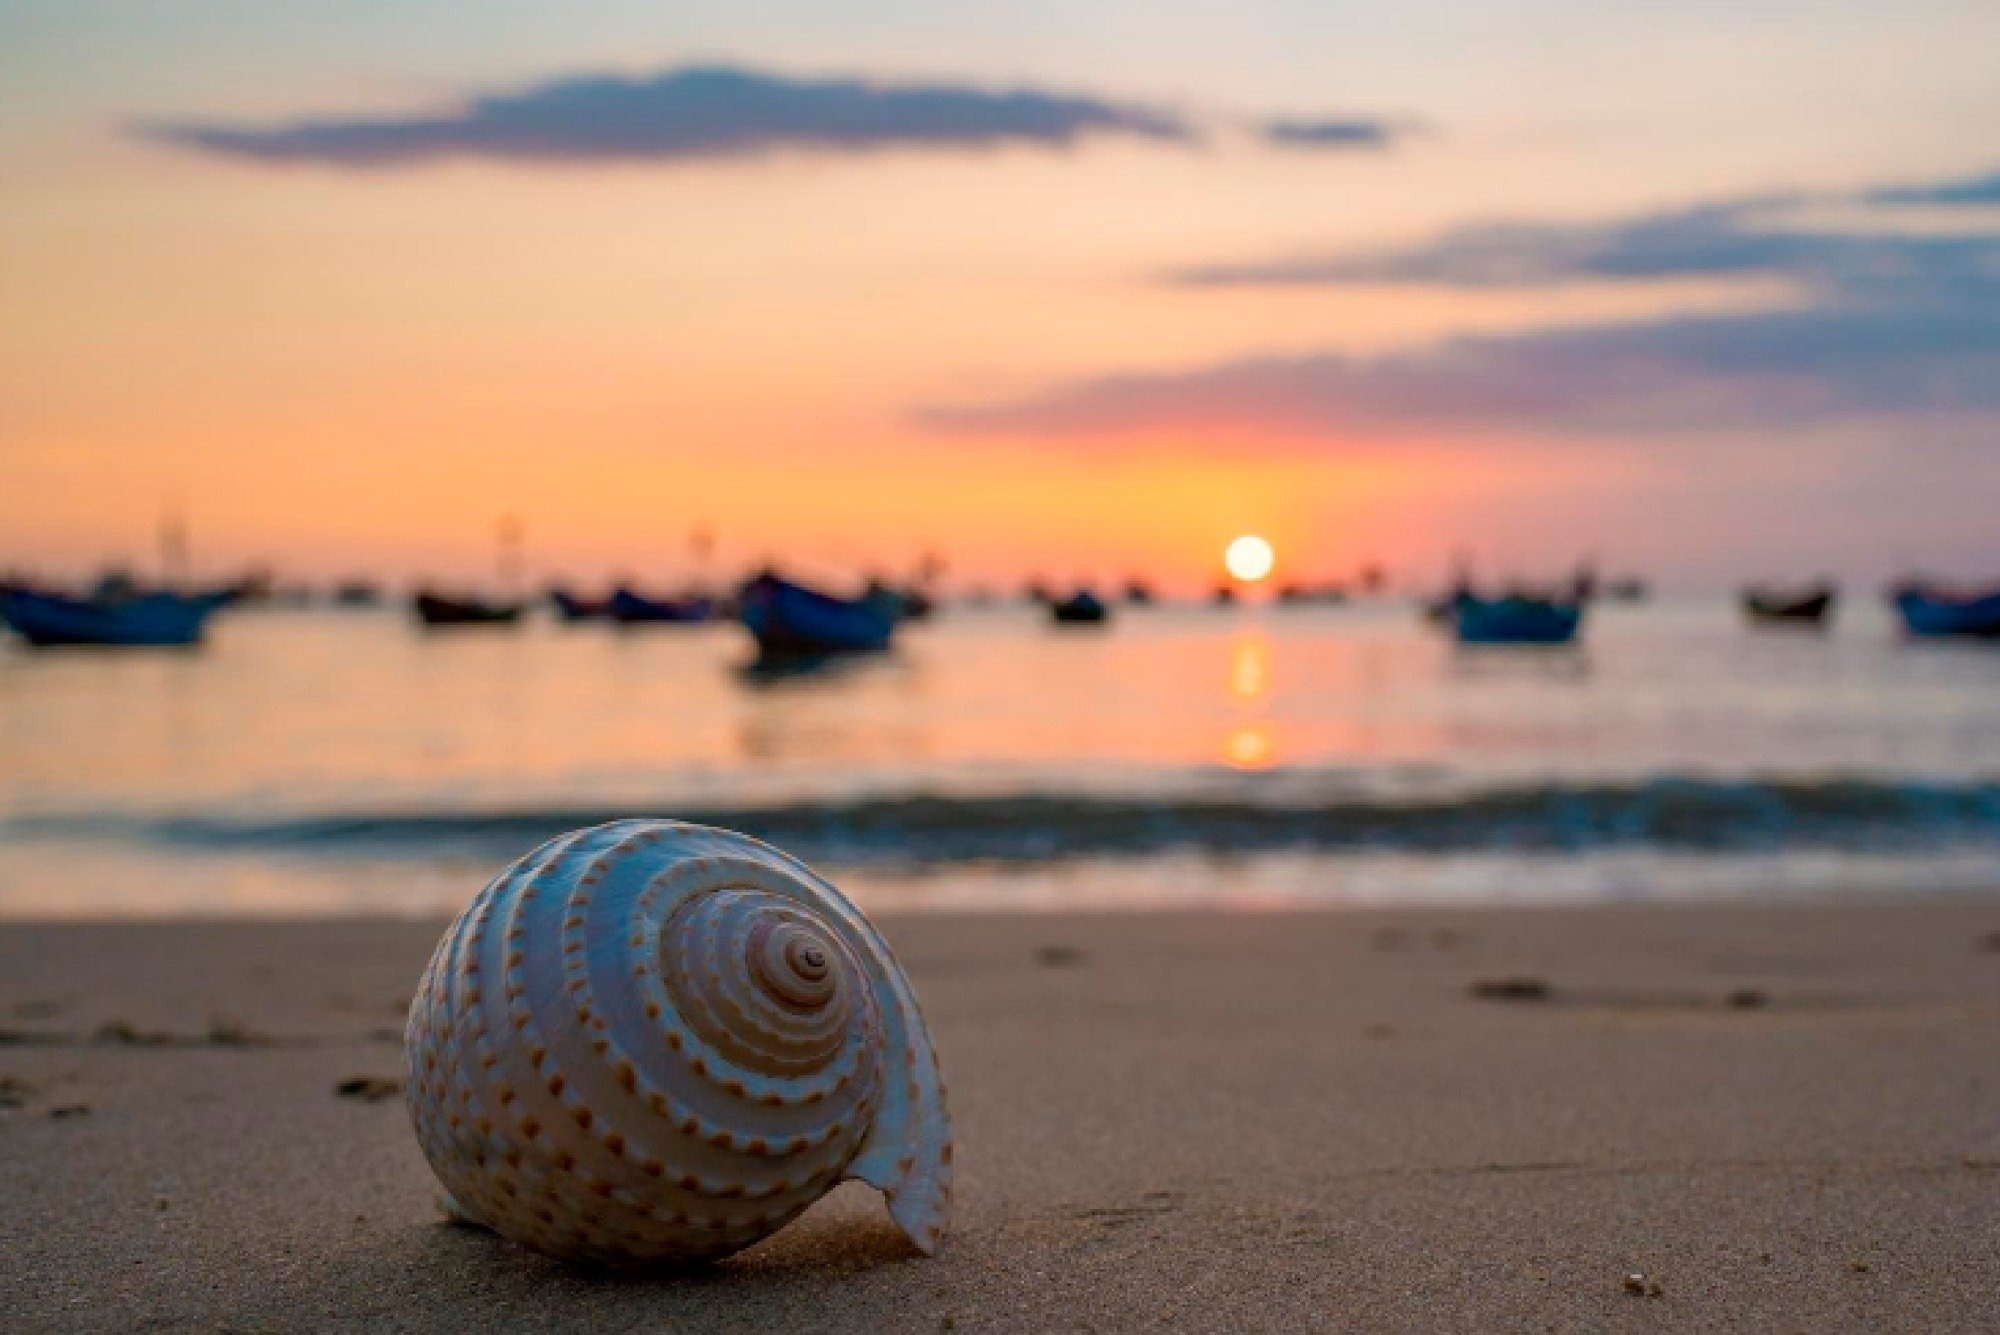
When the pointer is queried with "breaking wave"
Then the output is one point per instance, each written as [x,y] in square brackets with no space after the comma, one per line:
[928,829]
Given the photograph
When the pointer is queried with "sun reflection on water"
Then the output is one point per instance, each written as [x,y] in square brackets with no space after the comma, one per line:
[1251,743]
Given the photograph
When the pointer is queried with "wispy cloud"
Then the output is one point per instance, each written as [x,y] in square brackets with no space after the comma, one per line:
[1328,134]
[1977,191]
[690,113]
[1719,240]
[1880,323]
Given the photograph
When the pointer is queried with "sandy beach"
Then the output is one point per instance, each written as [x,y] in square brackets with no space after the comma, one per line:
[1782,1117]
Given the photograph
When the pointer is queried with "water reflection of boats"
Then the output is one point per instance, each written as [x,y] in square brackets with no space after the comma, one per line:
[120,617]
[780,670]
[791,621]
[1515,618]
[629,607]
[440,610]
[1932,611]
[1794,607]
[1082,608]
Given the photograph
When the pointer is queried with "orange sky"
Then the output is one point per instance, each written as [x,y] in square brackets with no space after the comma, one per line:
[339,370]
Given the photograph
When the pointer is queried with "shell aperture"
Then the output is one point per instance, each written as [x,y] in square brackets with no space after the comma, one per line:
[651,1041]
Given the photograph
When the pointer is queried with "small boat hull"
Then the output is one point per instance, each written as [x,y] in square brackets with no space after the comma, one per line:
[150,621]
[635,609]
[1495,621]
[1932,615]
[572,608]
[1082,608]
[1809,608]
[439,610]
[792,621]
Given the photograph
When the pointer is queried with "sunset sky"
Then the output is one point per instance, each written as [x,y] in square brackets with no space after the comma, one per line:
[1076,289]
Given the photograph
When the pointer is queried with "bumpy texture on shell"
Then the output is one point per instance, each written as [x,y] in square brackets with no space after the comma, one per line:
[651,1041]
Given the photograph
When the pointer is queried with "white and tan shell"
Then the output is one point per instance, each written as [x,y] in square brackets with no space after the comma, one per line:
[651,1041]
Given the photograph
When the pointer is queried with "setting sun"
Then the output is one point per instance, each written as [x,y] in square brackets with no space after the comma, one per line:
[1249,558]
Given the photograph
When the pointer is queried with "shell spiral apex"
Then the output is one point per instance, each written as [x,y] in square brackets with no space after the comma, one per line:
[652,1041]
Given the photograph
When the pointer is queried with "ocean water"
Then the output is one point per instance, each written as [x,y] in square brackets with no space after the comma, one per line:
[341,762]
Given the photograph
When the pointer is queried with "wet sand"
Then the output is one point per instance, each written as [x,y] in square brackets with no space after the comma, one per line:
[1785,1118]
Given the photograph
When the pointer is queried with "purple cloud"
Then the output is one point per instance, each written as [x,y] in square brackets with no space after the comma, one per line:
[1975,192]
[1882,323]
[689,114]
[1328,134]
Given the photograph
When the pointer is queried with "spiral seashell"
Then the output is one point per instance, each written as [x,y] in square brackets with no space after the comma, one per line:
[652,1041]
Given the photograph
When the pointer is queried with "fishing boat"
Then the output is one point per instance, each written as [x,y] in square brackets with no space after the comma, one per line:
[1311,595]
[442,610]
[1930,612]
[1441,610]
[793,621]
[1627,589]
[134,620]
[1082,608]
[630,608]
[575,607]
[356,594]
[1795,607]
[919,603]
[1516,618]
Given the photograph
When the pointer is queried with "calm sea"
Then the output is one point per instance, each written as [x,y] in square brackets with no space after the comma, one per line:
[329,762]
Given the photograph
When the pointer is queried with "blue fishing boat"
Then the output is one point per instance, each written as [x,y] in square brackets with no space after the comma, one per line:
[792,621]
[1082,608]
[1514,619]
[141,620]
[630,608]
[1929,612]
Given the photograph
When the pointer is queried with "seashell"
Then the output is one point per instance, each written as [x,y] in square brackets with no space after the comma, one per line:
[652,1041]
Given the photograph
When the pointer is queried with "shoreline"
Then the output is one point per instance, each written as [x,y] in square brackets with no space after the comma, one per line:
[1166,1117]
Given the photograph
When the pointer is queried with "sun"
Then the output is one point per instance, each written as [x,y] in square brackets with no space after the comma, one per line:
[1249,558]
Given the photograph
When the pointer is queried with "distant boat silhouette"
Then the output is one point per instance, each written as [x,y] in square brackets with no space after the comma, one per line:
[1800,607]
[134,620]
[1515,619]
[790,620]
[357,593]
[1930,612]
[918,603]
[1138,593]
[1627,589]
[1082,608]
[575,607]
[1441,610]
[445,610]
[1306,595]
[631,608]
